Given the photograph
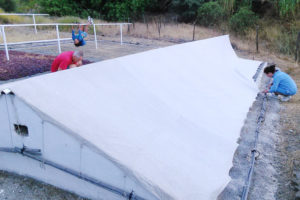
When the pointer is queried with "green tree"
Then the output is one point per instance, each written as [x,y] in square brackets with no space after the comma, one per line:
[243,20]
[187,9]
[210,14]
[59,7]
[8,5]
[123,9]
[288,8]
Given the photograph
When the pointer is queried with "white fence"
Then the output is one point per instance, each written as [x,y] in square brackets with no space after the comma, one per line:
[26,14]
[58,39]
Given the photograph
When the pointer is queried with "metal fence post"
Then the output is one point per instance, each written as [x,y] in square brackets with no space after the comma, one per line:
[5,43]
[95,35]
[121,33]
[58,39]
[33,17]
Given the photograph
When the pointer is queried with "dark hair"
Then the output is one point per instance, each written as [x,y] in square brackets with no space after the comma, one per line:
[78,44]
[270,69]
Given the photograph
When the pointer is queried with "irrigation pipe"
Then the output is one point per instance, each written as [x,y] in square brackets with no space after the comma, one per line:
[254,151]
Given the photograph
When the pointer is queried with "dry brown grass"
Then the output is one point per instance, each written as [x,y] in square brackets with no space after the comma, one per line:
[174,32]
[171,31]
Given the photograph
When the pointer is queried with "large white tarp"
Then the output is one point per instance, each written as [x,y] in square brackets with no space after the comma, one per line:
[170,116]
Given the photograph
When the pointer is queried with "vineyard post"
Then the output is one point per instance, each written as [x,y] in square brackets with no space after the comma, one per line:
[194,29]
[257,27]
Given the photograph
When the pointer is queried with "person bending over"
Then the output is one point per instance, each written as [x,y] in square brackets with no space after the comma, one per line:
[283,86]
[67,60]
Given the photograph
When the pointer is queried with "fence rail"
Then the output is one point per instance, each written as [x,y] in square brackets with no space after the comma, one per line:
[58,39]
[26,14]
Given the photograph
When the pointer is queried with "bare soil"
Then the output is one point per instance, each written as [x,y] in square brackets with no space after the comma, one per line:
[22,64]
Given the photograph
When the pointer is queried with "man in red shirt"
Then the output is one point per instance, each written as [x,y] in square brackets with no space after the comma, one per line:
[67,60]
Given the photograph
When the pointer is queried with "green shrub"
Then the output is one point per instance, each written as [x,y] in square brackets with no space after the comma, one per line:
[8,5]
[186,9]
[243,20]
[10,19]
[210,13]
[288,8]
[67,20]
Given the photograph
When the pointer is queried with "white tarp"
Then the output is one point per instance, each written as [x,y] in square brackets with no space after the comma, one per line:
[171,116]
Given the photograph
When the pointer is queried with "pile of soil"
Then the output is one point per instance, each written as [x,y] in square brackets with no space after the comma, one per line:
[23,64]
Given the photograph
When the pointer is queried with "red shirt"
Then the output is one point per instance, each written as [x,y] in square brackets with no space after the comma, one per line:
[62,61]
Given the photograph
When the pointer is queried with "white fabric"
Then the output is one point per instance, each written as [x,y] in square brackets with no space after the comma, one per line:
[172,115]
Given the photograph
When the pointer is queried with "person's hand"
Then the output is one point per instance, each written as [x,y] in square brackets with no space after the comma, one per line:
[266,91]
[79,63]
[269,86]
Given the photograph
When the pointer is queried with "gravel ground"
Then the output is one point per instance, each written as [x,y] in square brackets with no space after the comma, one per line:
[14,187]
[108,47]
[264,181]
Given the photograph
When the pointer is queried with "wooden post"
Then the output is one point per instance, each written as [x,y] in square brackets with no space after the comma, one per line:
[147,24]
[194,29]
[158,24]
[128,26]
[257,27]
[297,54]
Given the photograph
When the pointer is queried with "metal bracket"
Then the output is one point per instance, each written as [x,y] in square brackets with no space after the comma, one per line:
[7,92]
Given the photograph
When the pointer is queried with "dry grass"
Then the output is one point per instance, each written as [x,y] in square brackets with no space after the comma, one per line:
[272,36]
[171,31]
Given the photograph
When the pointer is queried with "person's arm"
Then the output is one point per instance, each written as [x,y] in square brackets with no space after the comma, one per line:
[268,88]
[86,28]
[63,66]
[275,84]
[270,85]
[73,34]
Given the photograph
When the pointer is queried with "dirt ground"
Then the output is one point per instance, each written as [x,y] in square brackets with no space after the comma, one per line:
[287,127]
[23,64]
[287,159]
